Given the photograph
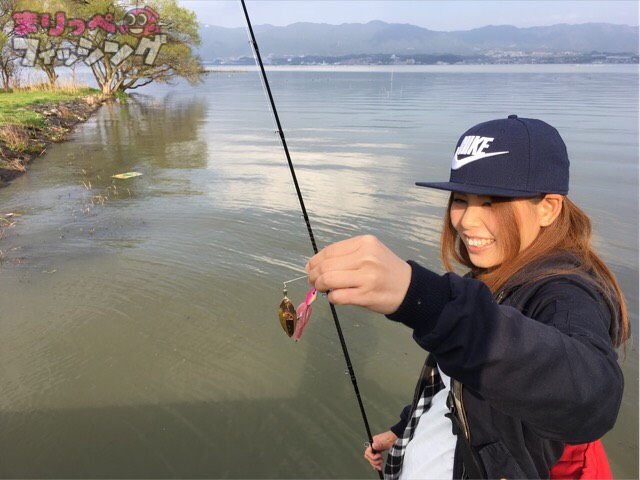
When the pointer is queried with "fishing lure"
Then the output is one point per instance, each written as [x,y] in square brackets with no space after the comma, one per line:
[303,312]
[287,314]
[293,320]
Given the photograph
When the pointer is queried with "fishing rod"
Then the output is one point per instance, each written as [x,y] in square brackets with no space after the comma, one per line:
[265,83]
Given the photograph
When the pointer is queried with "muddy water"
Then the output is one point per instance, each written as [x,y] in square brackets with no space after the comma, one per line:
[138,330]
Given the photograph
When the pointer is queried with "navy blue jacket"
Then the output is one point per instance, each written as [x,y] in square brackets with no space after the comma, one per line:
[538,367]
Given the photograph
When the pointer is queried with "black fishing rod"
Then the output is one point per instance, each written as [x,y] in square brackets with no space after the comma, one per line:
[280,132]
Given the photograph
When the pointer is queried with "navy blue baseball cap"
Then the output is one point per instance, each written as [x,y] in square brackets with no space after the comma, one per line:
[512,157]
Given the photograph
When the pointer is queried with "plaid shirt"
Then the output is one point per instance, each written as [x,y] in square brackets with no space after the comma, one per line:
[428,385]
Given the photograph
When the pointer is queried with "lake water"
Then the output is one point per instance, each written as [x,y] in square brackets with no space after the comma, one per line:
[139,333]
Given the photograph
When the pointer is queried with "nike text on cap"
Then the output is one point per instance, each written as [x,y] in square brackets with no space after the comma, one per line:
[512,157]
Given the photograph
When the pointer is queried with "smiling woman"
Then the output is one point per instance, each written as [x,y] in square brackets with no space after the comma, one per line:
[493,230]
[515,346]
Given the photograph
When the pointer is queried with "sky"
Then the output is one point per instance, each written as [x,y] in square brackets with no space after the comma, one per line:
[439,15]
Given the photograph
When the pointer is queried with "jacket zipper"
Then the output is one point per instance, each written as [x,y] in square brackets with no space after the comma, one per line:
[457,393]
[457,398]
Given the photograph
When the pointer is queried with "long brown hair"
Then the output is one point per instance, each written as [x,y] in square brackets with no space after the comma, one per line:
[569,234]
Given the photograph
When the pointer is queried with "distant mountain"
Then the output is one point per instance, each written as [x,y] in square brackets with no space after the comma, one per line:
[377,37]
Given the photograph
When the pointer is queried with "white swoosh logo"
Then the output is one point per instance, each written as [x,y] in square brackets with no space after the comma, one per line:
[456,164]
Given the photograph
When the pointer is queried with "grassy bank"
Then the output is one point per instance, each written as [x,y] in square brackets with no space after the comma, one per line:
[33,117]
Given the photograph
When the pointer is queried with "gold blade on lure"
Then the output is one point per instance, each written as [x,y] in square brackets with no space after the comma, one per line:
[287,316]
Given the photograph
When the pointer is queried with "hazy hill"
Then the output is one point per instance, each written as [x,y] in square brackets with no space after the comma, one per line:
[378,37]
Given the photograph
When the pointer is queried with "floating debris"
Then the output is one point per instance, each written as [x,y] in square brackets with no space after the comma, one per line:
[127,175]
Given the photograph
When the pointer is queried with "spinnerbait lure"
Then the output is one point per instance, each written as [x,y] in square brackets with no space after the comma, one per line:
[293,320]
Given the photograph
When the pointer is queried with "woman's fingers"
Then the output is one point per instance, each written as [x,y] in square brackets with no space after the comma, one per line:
[336,272]
[384,441]
[335,250]
[381,442]
[375,460]
[361,271]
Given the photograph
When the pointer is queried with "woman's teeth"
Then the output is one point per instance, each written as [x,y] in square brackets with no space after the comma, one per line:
[479,242]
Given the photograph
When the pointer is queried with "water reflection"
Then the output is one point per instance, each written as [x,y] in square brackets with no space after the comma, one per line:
[161,133]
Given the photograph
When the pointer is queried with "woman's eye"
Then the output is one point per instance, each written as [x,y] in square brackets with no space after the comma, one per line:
[486,204]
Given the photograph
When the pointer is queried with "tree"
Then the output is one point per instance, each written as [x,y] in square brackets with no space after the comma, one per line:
[179,31]
[123,56]
[8,57]
[46,42]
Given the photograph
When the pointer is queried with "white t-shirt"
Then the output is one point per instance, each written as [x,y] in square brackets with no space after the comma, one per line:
[429,454]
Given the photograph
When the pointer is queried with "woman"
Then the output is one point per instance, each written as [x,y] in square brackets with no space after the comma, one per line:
[522,359]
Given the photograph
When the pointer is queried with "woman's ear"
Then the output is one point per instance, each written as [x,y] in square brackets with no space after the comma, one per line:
[549,208]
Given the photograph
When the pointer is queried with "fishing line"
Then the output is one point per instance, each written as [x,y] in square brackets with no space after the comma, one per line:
[274,111]
[295,279]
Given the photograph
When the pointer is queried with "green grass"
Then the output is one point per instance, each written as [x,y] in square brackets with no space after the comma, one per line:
[25,131]
[14,106]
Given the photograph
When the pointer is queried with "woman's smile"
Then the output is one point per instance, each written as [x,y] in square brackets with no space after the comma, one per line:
[477,243]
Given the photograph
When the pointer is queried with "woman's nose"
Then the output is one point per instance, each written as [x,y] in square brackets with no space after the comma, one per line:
[471,217]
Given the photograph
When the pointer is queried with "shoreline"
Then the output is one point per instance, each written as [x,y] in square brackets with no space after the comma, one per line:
[60,119]
[470,68]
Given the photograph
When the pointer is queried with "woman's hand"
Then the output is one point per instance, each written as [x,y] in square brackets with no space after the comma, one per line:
[361,271]
[381,443]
